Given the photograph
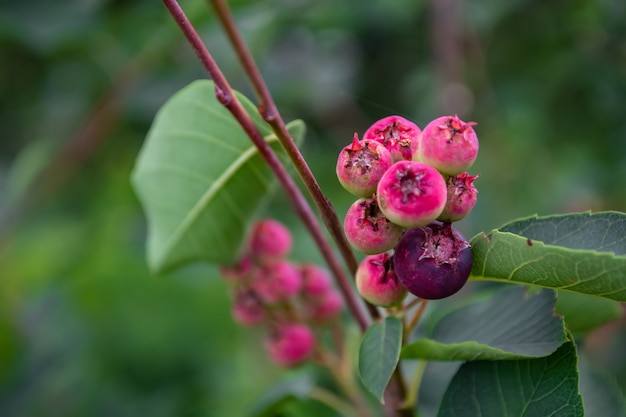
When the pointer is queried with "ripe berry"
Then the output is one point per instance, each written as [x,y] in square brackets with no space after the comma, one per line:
[270,241]
[277,282]
[462,196]
[411,194]
[360,166]
[449,144]
[433,262]
[368,230]
[399,135]
[238,272]
[290,344]
[377,282]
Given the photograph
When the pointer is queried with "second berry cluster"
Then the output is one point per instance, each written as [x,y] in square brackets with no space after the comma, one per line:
[407,178]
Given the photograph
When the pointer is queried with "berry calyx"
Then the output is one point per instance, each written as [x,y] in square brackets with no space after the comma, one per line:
[361,165]
[449,144]
[290,344]
[247,308]
[377,282]
[433,261]
[411,194]
[399,135]
[462,196]
[368,230]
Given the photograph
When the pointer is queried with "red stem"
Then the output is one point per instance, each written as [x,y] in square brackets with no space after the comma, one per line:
[225,95]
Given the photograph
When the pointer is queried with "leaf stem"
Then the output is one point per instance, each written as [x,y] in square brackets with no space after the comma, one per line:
[225,95]
[269,111]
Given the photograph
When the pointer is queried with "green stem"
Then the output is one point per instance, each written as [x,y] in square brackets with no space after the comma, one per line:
[413,394]
[333,401]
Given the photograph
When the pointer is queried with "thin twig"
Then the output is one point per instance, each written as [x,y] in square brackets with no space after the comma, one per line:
[225,95]
[269,111]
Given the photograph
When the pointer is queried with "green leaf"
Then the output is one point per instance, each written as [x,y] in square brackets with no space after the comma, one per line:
[379,354]
[507,325]
[537,387]
[200,179]
[583,313]
[281,395]
[582,252]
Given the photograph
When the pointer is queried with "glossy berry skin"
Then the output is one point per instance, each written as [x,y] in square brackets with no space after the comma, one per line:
[290,344]
[399,135]
[277,282]
[411,194]
[376,281]
[449,144]
[462,195]
[270,241]
[433,262]
[368,230]
[361,165]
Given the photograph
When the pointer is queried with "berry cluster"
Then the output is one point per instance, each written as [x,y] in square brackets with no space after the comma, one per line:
[412,184]
[287,298]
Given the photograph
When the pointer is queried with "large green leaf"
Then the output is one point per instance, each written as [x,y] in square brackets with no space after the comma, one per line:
[200,179]
[582,252]
[507,325]
[537,387]
[379,354]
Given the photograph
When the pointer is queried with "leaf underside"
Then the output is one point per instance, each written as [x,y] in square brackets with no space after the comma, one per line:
[581,252]
[508,325]
[200,179]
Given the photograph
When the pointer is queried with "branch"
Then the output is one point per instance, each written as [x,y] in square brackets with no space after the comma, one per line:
[269,112]
[225,95]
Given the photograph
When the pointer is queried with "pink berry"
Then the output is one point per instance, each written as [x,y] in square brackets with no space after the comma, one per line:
[462,196]
[433,261]
[316,281]
[411,194]
[360,166]
[270,241]
[277,282]
[290,344]
[325,308]
[449,144]
[399,135]
[368,230]
[248,308]
[376,281]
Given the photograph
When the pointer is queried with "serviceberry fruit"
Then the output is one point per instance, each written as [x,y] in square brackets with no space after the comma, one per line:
[376,281]
[368,230]
[270,241]
[326,308]
[290,344]
[449,144]
[316,281]
[399,135]
[248,308]
[462,196]
[433,261]
[411,194]
[361,165]
[277,282]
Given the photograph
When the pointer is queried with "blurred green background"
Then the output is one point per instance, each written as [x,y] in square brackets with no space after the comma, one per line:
[85,330]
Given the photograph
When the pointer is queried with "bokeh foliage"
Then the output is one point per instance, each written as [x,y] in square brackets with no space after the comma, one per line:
[86,330]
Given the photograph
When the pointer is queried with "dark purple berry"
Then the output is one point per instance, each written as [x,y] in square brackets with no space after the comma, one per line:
[433,261]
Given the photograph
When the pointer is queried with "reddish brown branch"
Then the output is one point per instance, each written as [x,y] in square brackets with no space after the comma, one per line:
[225,95]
